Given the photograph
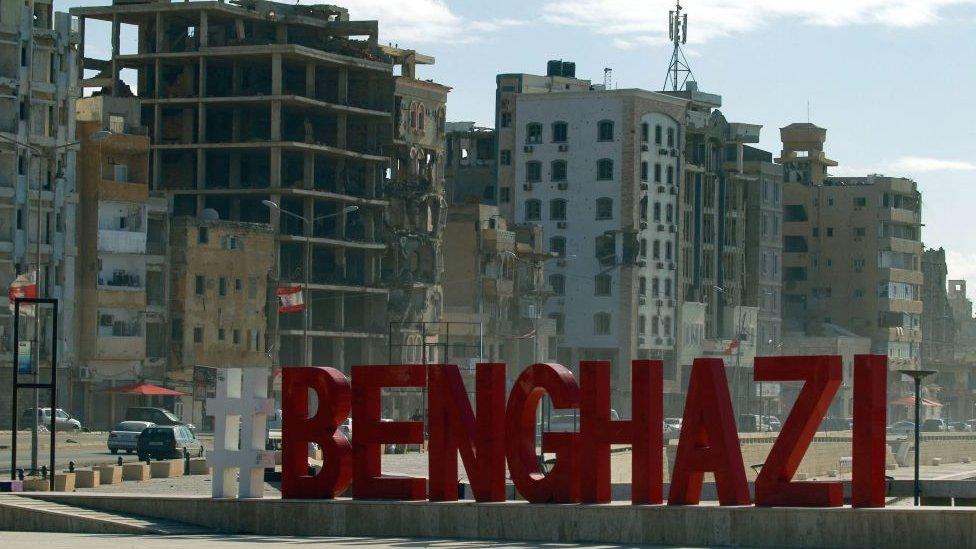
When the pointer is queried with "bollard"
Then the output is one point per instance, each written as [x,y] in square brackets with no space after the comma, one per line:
[71,467]
[44,472]
[20,474]
[120,461]
[186,462]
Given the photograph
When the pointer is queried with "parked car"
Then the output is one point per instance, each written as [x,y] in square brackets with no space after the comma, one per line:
[836,424]
[934,425]
[168,442]
[125,436]
[62,420]
[960,427]
[346,428]
[773,423]
[670,431]
[752,423]
[274,431]
[674,422]
[159,416]
[902,428]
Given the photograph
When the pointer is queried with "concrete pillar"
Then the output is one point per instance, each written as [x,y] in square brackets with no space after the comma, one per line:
[310,79]
[203,30]
[343,86]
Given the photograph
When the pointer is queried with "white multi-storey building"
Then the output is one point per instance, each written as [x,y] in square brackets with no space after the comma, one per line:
[599,171]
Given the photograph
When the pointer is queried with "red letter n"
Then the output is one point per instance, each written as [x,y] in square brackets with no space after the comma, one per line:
[774,486]
[870,402]
[709,441]
[453,428]
[332,394]
[367,480]
[644,432]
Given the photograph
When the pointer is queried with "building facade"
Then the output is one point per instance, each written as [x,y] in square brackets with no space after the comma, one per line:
[220,305]
[938,323]
[253,102]
[121,320]
[38,87]
[470,172]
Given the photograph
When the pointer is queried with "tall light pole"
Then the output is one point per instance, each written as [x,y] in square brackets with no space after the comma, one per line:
[306,297]
[917,375]
[46,153]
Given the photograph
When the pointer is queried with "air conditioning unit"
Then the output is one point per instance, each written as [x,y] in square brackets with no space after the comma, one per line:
[644,147]
[660,188]
[658,341]
[641,340]
[562,186]
[674,153]
[641,300]
[660,227]
[641,263]
[643,186]
[563,148]
[561,225]
[528,148]
[84,372]
[673,191]
[643,225]
[659,303]
[527,187]
[662,151]
[660,265]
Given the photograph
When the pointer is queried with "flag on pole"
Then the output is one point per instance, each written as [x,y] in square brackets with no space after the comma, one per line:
[24,286]
[290,299]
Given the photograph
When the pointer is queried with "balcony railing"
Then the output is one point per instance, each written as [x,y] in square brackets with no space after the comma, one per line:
[121,279]
[125,242]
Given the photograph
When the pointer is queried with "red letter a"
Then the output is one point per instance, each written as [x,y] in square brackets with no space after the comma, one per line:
[453,428]
[709,442]
[333,395]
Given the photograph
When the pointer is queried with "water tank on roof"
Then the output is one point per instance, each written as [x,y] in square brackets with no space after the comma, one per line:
[569,69]
[554,68]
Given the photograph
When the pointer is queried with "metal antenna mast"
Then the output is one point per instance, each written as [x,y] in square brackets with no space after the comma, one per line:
[680,71]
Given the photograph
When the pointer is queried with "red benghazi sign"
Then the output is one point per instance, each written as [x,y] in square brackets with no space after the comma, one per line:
[503,433]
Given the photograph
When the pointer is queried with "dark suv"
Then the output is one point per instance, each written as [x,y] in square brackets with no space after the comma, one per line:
[167,442]
[159,416]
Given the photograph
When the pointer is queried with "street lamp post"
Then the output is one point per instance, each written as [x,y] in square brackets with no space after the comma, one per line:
[48,154]
[917,375]
[306,297]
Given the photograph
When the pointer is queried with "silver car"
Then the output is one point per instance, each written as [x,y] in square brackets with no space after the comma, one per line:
[62,420]
[125,436]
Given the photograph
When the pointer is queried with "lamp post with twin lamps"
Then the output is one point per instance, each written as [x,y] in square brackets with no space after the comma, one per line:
[306,298]
[917,375]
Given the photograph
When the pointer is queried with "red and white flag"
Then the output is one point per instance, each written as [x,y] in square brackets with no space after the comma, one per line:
[290,299]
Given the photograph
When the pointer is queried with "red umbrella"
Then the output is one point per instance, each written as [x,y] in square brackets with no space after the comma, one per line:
[910,401]
[144,389]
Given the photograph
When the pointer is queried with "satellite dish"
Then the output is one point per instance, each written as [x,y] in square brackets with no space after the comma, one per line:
[210,214]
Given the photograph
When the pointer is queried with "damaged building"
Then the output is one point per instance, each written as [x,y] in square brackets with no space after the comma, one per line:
[296,116]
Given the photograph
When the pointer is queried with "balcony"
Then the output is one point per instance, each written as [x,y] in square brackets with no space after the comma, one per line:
[498,287]
[121,347]
[121,280]
[121,242]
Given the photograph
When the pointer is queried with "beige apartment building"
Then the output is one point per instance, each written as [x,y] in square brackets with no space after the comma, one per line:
[219,305]
[852,250]
[121,319]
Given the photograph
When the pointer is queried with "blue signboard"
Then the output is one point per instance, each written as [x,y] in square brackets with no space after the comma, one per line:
[24,357]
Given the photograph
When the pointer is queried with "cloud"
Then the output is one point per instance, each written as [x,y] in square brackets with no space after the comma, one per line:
[637,22]
[423,21]
[923,164]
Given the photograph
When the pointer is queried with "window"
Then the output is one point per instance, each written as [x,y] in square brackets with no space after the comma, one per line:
[860,202]
[657,173]
[642,286]
[644,171]
[506,119]
[645,132]
[222,286]
[198,334]
[604,208]
[533,210]
[505,195]
[605,130]
[655,325]
[657,212]
[558,284]
[602,283]
[238,285]
[560,322]
[558,170]
[505,157]
[533,171]
[203,235]
[670,175]
[667,250]
[560,132]
[557,209]
[655,287]
[670,214]
[830,232]
[604,169]
[641,324]
[667,287]
[221,334]
[667,326]
[557,245]
[533,133]
[859,231]
[671,137]
[601,324]
[605,250]
[657,134]
[656,247]
[237,337]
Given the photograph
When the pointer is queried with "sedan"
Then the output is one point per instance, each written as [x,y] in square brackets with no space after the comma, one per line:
[125,436]
[901,428]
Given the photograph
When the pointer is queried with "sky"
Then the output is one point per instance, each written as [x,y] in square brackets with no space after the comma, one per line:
[891,80]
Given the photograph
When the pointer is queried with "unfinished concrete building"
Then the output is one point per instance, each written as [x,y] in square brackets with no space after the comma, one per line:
[471,174]
[38,53]
[253,101]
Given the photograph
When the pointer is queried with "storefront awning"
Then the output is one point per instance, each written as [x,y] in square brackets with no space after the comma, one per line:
[144,389]
[910,401]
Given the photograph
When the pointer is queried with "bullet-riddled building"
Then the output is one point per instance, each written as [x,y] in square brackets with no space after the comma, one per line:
[852,250]
[251,101]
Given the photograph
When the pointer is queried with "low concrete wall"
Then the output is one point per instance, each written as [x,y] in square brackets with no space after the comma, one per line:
[515,521]
[109,474]
[135,471]
[170,468]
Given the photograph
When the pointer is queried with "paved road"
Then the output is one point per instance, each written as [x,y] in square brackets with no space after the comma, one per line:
[32,540]
[85,454]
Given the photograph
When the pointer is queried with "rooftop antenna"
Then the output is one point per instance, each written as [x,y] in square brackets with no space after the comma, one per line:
[679,72]
[607,78]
